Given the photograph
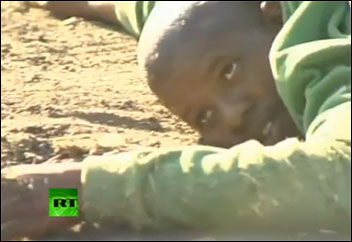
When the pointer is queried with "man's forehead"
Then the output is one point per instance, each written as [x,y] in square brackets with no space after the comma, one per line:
[187,55]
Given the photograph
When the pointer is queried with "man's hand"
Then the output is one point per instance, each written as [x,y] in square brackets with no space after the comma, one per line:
[25,199]
[97,10]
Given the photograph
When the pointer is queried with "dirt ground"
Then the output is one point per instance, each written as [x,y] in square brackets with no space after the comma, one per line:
[71,88]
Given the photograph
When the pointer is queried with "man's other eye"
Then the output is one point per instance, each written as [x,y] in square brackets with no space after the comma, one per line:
[230,71]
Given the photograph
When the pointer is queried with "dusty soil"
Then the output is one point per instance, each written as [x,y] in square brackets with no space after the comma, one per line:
[71,87]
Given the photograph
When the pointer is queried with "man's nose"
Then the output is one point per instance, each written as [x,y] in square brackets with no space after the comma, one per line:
[232,114]
[226,131]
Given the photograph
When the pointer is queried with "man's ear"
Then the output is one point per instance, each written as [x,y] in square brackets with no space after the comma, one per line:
[272,14]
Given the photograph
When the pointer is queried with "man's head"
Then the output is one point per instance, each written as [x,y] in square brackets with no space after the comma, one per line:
[208,63]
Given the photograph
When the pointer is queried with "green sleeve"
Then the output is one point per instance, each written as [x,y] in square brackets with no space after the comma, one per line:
[311,59]
[293,184]
[133,14]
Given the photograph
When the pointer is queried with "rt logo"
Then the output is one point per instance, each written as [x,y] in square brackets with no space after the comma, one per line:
[63,202]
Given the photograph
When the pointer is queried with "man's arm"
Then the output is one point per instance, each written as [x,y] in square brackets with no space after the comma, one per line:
[292,184]
[132,15]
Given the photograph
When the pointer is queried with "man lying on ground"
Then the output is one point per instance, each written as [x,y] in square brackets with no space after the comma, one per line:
[211,71]
[292,185]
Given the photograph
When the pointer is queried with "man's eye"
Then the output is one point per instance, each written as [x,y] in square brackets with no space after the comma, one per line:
[204,117]
[230,71]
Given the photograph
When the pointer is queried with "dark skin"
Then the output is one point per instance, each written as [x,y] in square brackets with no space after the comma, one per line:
[24,199]
[222,87]
[95,10]
[220,81]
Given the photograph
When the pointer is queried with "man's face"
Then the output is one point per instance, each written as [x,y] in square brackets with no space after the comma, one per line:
[228,94]
[209,65]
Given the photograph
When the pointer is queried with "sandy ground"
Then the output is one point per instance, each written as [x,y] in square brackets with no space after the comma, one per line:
[71,88]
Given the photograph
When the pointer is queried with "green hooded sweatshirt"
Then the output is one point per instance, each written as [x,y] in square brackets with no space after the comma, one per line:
[133,14]
[293,184]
